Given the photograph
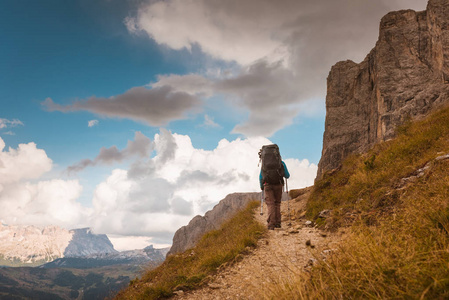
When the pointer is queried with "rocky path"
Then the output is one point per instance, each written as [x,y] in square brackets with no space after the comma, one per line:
[280,254]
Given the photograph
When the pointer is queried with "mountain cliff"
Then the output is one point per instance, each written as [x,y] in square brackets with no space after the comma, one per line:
[187,236]
[406,75]
[30,245]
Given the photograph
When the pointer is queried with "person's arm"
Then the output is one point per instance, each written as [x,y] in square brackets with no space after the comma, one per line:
[286,173]
[261,180]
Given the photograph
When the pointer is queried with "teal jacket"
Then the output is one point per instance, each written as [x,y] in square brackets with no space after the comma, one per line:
[286,175]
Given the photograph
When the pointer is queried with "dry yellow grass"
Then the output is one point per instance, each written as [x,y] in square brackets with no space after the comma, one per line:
[192,268]
[398,245]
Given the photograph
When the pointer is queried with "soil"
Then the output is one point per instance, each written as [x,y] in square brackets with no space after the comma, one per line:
[279,255]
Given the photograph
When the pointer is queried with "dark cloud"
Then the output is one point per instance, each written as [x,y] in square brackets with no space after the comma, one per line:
[182,207]
[193,177]
[187,178]
[150,195]
[269,91]
[156,107]
[109,155]
[166,146]
[285,49]
[141,169]
[140,147]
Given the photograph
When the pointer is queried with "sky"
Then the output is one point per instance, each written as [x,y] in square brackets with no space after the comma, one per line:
[133,116]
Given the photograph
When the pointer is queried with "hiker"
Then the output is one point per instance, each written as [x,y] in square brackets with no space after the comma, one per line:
[271,179]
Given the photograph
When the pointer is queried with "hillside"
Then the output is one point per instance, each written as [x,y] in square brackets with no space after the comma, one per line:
[378,228]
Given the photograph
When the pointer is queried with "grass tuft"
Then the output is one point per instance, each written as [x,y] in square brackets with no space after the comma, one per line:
[192,268]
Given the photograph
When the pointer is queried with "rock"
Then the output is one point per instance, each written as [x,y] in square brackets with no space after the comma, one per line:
[405,74]
[308,223]
[215,286]
[442,157]
[324,213]
[186,237]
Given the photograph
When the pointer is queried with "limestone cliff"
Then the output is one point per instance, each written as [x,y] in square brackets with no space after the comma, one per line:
[30,245]
[406,75]
[187,236]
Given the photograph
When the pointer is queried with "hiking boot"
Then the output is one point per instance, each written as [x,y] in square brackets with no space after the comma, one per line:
[270,227]
[277,226]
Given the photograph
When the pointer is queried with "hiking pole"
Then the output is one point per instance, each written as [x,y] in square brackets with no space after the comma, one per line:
[288,204]
[261,204]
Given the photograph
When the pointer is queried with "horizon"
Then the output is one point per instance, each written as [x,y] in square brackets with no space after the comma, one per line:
[129,118]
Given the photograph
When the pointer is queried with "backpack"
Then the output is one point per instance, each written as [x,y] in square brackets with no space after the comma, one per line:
[272,168]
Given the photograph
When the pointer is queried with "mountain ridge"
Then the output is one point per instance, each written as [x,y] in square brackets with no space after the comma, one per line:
[27,245]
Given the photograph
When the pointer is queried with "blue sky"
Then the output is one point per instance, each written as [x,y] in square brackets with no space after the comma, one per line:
[174,87]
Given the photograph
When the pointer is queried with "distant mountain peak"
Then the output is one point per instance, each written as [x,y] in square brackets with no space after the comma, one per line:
[31,245]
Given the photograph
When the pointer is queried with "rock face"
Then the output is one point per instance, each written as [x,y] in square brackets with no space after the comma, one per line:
[84,243]
[149,256]
[406,75]
[33,245]
[187,236]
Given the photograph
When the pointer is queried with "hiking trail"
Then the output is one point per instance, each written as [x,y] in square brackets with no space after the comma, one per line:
[279,255]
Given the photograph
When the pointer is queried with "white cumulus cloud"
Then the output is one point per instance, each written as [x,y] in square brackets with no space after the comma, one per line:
[156,197]
[24,199]
[150,200]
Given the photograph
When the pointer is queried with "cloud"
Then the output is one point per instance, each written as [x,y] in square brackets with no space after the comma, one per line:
[92,123]
[285,49]
[9,133]
[25,162]
[232,31]
[280,53]
[180,182]
[140,147]
[250,30]
[25,199]
[156,107]
[268,91]
[209,122]
[152,198]
[122,243]
[5,123]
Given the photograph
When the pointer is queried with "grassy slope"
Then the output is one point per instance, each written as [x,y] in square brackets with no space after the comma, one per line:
[191,269]
[398,245]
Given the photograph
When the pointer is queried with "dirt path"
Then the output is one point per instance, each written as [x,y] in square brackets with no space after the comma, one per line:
[278,256]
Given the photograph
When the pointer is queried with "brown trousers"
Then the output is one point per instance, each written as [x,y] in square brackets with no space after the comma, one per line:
[273,197]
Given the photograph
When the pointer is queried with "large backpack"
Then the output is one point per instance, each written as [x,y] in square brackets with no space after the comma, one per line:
[272,168]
